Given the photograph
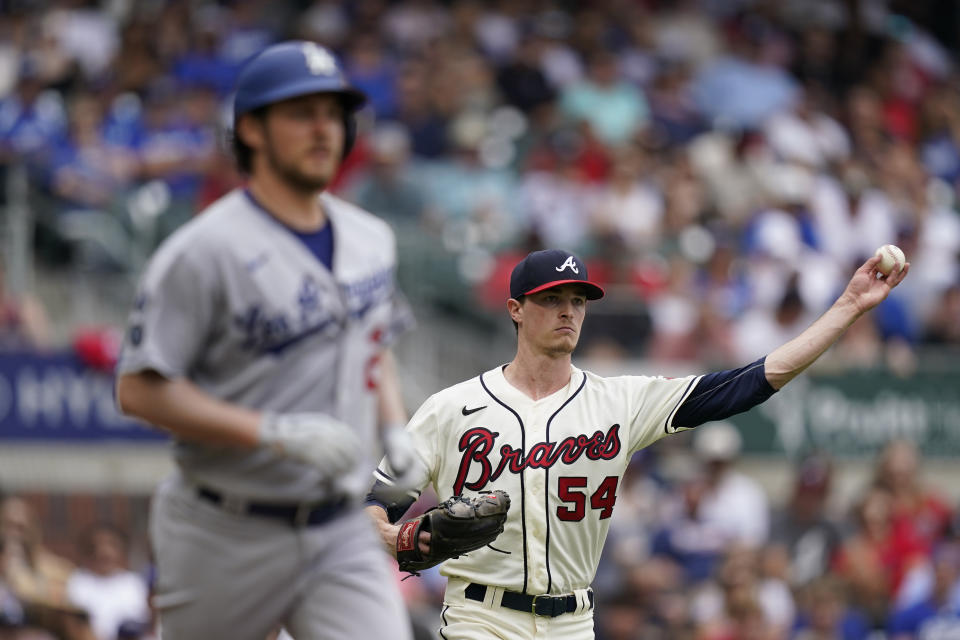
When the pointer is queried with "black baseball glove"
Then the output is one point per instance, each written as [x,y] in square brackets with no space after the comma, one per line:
[457,525]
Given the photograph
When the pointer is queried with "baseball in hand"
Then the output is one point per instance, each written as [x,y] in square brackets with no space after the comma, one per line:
[890,256]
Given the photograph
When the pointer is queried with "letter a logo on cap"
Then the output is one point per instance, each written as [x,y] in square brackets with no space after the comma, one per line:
[569,262]
[318,59]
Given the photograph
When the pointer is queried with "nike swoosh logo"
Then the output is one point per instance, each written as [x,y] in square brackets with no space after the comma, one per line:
[467,412]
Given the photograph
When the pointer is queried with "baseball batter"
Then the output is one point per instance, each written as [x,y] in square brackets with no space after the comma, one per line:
[557,440]
[260,338]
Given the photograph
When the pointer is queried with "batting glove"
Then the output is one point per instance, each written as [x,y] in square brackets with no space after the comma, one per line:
[312,438]
[400,455]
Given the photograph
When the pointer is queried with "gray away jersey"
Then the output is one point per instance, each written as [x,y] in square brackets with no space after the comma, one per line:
[237,304]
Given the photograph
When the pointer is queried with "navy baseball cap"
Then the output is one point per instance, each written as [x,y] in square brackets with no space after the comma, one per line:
[548,268]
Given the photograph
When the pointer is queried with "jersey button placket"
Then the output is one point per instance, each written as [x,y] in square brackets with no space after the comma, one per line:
[539,513]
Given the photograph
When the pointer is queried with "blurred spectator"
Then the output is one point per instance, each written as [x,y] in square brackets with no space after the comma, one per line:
[414,24]
[917,512]
[87,171]
[36,578]
[32,120]
[89,174]
[802,531]
[473,81]
[137,64]
[733,502]
[35,573]
[721,283]
[934,259]
[552,197]
[521,80]
[742,89]
[675,315]
[681,31]
[942,326]
[497,28]
[55,68]
[786,244]
[629,206]
[615,110]
[203,64]
[85,33]
[373,72]
[687,538]
[815,62]
[638,512]
[248,27]
[940,134]
[636,58]
[104,587]
[852,217]
[23,319]
[730,167]
[760,330]
[742,603]
[178,145]
[427,126]
[389,187]
[875,558]
[938,615]
[825,614]
[12,36]
[898,84]
[12,615]
[804,135]
[675,118]
[561,64]
[623,617]
[473,199]
[687,205]
[326,22]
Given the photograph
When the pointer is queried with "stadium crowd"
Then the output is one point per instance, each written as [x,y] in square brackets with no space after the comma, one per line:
[722,164]
[696,551]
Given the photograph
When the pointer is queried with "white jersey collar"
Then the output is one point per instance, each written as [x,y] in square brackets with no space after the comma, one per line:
[497,383]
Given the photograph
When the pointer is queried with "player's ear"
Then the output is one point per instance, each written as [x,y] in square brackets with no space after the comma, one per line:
[250,131]
[515,309]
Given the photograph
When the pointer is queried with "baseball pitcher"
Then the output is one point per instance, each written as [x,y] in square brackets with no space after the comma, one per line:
[557,441]
[260,339]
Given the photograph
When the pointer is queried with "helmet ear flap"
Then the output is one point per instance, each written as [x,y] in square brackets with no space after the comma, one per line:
[349,132]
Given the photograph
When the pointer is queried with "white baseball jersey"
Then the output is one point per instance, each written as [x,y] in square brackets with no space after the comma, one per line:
[239,305]
[560,458]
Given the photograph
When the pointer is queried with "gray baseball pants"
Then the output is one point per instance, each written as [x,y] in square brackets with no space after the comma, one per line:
[225,576]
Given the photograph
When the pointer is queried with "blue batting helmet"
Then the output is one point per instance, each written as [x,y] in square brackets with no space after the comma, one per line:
[291,69]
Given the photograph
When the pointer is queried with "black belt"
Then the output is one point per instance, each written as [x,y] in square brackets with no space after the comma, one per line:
[302,514]
[550,606]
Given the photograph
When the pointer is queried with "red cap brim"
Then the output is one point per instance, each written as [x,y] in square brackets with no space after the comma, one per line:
[594,291]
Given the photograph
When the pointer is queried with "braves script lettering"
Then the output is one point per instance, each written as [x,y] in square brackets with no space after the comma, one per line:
[477,443]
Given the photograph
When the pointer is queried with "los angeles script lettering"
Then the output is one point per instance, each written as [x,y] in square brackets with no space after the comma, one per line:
[477,443]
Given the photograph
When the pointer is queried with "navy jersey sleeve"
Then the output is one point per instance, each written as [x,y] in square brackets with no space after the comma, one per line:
[723,394]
